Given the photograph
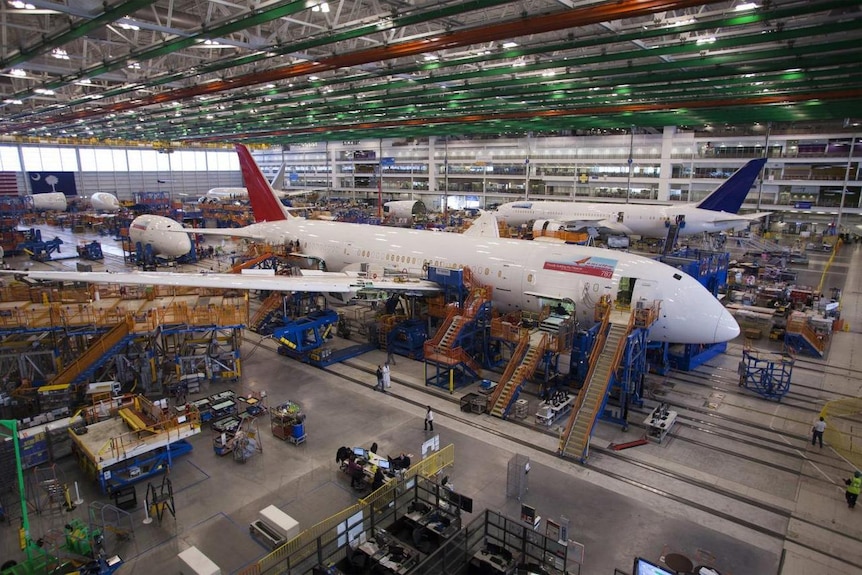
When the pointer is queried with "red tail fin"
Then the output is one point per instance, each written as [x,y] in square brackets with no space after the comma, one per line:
[265,205]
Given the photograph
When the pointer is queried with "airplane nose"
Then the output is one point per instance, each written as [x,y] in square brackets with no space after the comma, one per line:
[184,244]
[726,328]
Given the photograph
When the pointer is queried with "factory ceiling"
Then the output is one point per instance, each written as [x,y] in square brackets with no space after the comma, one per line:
[192,71]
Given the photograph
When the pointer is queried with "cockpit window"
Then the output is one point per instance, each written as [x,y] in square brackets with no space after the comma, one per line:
[677,276]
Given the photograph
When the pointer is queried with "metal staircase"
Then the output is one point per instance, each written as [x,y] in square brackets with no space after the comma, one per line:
[802,338]
[604,360]
[525,359]
[670,239]
[264,313]
[99,352]
[444,348]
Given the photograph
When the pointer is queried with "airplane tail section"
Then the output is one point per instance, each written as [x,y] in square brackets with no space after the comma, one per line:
[730,195]
[264,203]
[278,180]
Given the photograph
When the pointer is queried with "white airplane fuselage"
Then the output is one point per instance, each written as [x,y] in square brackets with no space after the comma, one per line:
[104,202]
[521,273]
[643,220]
[52,201]
[156,231]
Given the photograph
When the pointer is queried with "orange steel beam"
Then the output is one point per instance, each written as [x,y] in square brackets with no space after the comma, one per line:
[532,25]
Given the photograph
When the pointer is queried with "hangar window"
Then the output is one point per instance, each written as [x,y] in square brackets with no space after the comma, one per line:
[529,278]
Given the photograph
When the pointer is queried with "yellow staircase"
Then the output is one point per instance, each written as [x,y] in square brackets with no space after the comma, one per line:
[604,360]
[272,302]
[525,359]
[96,350]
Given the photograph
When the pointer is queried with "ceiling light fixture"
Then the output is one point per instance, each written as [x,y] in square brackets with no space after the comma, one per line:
[509,44]
[44,91]
[60,54]
[18,72]
[746,6]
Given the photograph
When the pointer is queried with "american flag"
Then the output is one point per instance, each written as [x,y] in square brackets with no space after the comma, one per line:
[8,184]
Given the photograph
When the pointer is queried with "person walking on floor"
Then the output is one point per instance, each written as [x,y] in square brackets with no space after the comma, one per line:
[429,420]
[387,381]
[854,486]
[379,386]
[817,432]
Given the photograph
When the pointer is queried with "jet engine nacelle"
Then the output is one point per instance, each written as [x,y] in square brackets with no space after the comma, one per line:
[167,237]
[54,201]
[104,202]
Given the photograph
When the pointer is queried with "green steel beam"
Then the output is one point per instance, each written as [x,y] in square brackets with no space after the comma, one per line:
[73,31]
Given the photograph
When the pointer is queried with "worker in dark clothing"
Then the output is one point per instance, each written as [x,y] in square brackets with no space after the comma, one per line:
[379,373]
[354,470]
[854,486]
[373,448]
[378,480]
[400,462]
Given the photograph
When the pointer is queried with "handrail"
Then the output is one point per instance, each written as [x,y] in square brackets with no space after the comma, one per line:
[800,326]
[615,361]
[96,350]
[300,547]
[598,347]
[518,353]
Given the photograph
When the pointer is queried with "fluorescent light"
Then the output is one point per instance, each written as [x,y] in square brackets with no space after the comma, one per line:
[708,40]
[430,57]
[18,72]
[13,101]
[745,6]
[60,54]
[44,91]
[509,44]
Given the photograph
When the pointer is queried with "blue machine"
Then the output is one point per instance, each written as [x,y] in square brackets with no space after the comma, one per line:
[408,339]
[305,334]
[91,251]
[37,249]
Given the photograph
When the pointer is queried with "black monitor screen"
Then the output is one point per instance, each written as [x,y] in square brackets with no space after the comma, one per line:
[644,567]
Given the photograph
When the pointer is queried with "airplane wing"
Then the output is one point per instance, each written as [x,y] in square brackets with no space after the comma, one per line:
[310,281]
[222,232]
[731,218]
[601,224]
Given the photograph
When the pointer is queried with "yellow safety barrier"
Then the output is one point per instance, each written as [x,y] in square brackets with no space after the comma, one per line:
[304,544]
[843,433]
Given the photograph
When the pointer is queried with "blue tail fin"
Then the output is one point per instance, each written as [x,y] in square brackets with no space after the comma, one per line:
[728,197]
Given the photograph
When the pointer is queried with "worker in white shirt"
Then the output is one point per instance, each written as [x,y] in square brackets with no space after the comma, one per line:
[817,432]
